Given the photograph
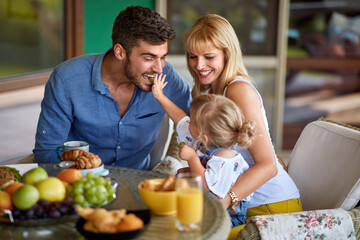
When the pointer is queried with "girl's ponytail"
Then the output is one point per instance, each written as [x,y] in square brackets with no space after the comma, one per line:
[246,134]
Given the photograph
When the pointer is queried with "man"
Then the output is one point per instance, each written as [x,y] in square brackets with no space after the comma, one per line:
[106,100]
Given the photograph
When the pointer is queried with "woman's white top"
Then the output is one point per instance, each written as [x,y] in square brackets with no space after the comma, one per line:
[279,188]
[221,173]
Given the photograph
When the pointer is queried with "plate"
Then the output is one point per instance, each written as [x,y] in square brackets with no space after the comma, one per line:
[39,222]
[101,171]
[143,214]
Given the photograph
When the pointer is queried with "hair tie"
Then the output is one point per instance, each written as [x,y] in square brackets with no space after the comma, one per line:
[239,134]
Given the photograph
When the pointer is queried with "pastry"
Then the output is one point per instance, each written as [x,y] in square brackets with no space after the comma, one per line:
[71,155]
[88,160]
[168,184]
[100,220]
[129,223]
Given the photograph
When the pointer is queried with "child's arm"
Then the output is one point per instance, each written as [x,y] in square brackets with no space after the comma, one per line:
[174,112]
[188,154]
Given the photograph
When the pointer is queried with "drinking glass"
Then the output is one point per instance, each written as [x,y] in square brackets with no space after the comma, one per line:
[190,202]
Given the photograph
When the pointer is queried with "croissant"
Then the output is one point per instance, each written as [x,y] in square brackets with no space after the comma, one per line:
[88,160]
[71,155]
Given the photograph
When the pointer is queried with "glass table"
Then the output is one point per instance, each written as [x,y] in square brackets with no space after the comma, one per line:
[216,222]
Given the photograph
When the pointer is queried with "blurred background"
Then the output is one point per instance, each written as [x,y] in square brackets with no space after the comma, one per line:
[304,56]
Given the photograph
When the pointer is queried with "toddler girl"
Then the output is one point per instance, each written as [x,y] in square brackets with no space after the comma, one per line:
[206,142]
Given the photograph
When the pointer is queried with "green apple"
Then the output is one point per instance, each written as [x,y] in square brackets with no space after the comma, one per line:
[51,189]
[25,197]
[34,175]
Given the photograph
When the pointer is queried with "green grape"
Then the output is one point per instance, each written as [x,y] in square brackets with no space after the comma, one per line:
[82,180]
[101,192]
[78,189]
[85,204]
[91,175]
[78,184]
[110,189]
[110,198]
[91,181]
[79,198]
[91,190]
[92,199]
[100,181]
[87,186]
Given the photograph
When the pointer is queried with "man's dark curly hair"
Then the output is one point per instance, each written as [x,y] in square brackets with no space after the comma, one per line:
[140,23]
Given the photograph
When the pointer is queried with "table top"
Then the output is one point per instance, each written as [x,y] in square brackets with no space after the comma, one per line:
[216,221]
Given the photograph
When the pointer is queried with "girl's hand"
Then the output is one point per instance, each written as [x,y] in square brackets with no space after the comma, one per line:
[159,84]
[187,153]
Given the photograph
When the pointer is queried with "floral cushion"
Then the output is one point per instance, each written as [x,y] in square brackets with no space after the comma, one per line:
[319,224]
[169,165]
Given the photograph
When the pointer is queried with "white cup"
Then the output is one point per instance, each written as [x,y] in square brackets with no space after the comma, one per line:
[67,146]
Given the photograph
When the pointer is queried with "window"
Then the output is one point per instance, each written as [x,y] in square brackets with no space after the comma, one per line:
[323,78]
[254,24]
[36,36]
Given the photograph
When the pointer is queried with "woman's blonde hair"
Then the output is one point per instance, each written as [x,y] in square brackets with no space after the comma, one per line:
[221,120]
[211,31]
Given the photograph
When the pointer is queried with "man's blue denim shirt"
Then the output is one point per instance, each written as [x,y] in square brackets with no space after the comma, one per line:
[77,105]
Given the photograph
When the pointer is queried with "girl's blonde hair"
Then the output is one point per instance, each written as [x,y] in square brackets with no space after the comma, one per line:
[221,120]
[212,31]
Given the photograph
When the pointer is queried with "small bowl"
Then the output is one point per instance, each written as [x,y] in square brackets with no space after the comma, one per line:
[143,214]
[160,203]
[101,171]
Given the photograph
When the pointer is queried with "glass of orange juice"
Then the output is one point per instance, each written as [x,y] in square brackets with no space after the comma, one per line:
[190,202]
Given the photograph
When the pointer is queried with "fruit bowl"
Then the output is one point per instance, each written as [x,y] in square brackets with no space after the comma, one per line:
[60,213]
[143,214]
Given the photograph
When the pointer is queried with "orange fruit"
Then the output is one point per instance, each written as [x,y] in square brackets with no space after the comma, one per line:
[13,187]
[5,201]
[69,175]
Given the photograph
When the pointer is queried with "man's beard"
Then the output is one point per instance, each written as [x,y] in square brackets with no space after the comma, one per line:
[136,80]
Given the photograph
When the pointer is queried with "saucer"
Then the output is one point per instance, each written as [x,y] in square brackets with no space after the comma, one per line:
[101,171]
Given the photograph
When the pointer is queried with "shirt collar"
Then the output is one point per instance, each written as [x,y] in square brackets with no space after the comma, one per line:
[96,82]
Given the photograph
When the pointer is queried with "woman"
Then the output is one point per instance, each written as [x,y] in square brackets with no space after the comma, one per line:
[215,62]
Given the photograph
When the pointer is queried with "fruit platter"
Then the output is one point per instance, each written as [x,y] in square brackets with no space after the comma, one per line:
[35,198]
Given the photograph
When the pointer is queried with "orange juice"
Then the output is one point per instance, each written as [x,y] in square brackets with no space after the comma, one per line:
[189,205]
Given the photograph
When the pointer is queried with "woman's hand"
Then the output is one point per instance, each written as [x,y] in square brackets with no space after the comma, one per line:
[226,201]
[159,84]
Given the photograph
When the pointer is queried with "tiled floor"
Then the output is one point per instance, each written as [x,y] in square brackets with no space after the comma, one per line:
[19,113]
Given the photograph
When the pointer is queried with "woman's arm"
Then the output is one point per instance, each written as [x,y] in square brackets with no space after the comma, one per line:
[174,112]
[261,149]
